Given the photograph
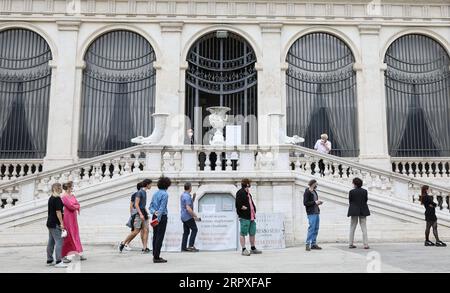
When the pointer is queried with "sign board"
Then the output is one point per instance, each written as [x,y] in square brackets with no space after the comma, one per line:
[217,231]
[270,231]
[233,135]
[220,231]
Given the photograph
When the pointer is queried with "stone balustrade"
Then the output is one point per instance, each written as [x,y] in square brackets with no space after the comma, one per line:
[203,161]
[438,167]
[13,169]
[389,184]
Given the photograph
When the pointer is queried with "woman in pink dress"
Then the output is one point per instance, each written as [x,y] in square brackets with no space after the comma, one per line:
[72,243]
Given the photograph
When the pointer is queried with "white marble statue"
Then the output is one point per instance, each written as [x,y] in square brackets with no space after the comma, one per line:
[293,139]
[158,131]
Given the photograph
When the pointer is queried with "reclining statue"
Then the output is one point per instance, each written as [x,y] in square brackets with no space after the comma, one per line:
[293,139]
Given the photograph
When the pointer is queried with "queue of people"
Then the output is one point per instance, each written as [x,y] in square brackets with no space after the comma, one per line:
[358,211]
[63,209]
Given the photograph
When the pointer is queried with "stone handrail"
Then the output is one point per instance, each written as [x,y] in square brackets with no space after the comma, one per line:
[433,167]
[199,160]
[154,159]
[385,182]
[12,169]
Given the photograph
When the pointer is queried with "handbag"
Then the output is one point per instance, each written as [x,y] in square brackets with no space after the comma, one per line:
[154,222]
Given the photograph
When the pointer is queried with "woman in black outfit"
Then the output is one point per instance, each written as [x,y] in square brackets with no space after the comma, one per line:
[430,217]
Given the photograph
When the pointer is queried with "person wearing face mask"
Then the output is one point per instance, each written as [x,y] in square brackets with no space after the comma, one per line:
[430,217]
[358,210]
[246,210]
[55,225]
[72,243]
[311,202]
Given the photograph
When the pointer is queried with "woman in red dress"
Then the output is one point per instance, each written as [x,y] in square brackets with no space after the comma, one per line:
[72,243]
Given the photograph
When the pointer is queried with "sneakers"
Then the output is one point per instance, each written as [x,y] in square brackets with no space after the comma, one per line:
[121,246]
[146,251]
[315,246]
[440,244]
[127,247]
[192,249]
[255,251]
[50,263]
[159,260]
[83,258]
[351,246]
[61,265]
[308,247]
[428,243]
[245,252]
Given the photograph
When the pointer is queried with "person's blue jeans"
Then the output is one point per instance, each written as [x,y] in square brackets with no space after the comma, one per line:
[189,227]
[313,229]
[55,243]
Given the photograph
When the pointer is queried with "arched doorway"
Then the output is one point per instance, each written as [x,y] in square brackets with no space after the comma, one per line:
[321,92]
[118,94]
[25,78]
[221,202]
[221,72]
[417,83]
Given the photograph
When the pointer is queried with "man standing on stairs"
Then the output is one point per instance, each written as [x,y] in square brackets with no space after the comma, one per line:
[323,146]
[311,202]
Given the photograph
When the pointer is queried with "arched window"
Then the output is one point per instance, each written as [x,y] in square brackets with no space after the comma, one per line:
[222,72]
[417,82]
[321,92]
[25,77]
[118,96]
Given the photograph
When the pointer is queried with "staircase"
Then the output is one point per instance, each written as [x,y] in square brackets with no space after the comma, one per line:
[113,176]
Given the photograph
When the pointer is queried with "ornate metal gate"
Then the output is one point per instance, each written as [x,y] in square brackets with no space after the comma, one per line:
[118,95]
[321,92]
[25,77]
[417,82]
[222,72]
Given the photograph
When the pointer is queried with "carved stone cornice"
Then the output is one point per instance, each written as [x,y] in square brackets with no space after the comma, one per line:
[289,9]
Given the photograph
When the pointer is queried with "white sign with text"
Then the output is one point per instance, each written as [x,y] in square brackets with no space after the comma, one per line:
[220,231]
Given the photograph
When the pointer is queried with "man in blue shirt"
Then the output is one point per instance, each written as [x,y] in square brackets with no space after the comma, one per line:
[188,217]
[158,208]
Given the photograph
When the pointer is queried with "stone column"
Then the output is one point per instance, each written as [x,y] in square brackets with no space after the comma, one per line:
[269,84]
[371,101]
[60,150]
[167,86]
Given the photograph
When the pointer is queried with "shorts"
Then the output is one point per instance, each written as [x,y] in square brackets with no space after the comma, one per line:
[248,227]
[138,224]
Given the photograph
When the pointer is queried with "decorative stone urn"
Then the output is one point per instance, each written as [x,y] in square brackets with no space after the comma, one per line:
[218,120]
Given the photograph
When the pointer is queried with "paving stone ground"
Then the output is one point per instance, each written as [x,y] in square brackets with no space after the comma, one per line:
[382,257]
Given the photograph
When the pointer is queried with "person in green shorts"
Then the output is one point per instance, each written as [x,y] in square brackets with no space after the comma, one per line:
[246,210]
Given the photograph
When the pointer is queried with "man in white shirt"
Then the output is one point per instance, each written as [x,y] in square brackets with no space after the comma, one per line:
[323,146]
